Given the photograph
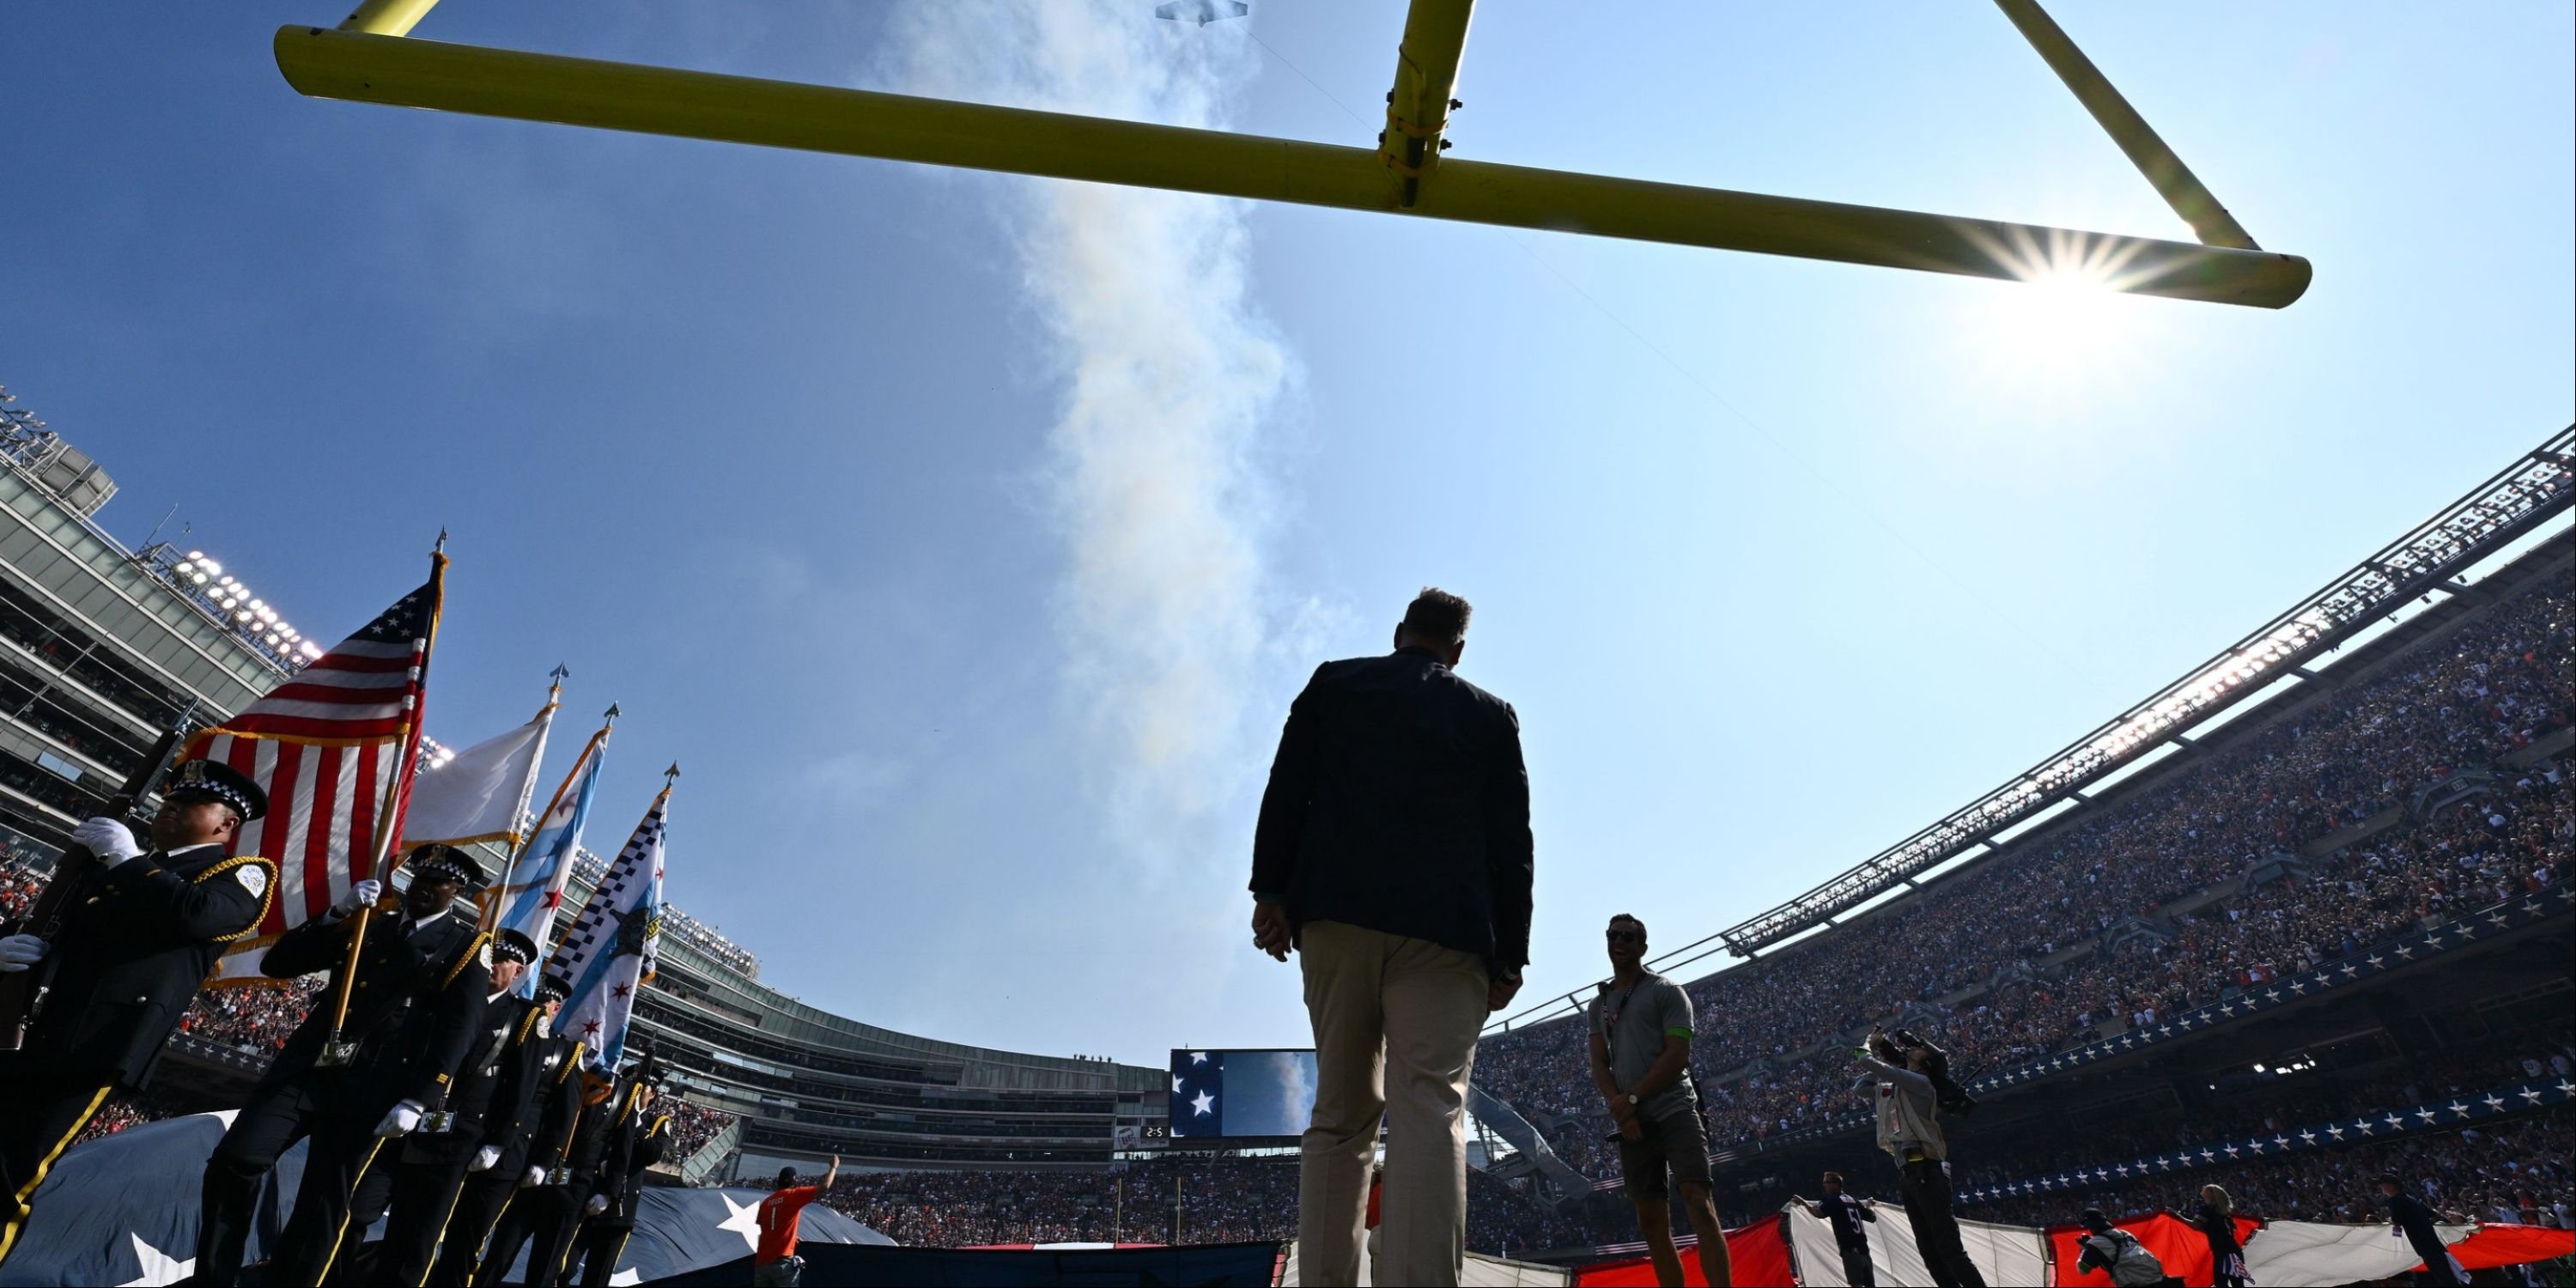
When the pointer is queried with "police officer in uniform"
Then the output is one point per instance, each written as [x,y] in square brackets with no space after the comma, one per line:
[636,1138]
[546,1217]
[522,1156]
[428,1171]
[414,1005]
[136,946]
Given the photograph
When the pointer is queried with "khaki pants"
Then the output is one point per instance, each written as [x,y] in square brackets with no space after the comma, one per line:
[1395,1034]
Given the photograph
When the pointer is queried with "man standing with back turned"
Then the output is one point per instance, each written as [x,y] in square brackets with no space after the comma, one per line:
[1394,855]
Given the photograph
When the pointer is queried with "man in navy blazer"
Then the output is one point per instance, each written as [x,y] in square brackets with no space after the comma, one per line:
[1394,855]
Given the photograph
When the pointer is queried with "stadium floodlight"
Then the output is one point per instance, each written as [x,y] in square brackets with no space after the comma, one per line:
[371,58]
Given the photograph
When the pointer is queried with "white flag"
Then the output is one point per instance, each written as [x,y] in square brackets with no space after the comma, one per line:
[612,948]
[481,794]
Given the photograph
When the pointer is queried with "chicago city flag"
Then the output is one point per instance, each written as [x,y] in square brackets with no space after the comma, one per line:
[335,748]
[527,898]
[613,947]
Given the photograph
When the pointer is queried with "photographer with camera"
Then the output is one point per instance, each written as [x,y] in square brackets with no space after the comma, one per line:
[1641,1036]
[1913,1087]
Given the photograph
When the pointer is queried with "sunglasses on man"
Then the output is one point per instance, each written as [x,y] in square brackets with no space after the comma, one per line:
[1624,936]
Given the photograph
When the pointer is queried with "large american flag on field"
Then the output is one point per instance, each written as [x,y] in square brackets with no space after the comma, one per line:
[335,748]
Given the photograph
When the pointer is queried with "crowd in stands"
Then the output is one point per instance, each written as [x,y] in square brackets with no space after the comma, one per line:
[2485,1173]
[2460,702]
[1221,1200]
[2280,1103]
[256,1018]
[692,1126]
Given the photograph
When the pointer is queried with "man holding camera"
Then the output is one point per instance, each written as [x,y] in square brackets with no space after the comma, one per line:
[1913,1084]
[1641,1035]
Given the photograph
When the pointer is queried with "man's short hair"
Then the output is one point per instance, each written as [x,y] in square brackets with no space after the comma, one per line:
[1631,919]
[786,1177]
[1437,615]
[1835,1177]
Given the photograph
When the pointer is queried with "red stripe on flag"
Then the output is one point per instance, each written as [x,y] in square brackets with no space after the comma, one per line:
[317,833]
[329,662]
[362,814]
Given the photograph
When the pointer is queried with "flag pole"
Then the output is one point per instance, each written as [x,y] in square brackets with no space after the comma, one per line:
[336,1052]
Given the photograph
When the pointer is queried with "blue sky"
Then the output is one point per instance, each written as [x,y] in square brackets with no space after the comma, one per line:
[964,538]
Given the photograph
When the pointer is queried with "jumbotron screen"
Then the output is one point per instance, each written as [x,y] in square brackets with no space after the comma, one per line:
[1242,1095]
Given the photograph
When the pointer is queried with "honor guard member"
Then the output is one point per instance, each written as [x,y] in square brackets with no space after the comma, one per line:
[523,1137]
[140,938]
[555,1208]
[428,1169]
[415,1002]
[636,1138]
[543,1213]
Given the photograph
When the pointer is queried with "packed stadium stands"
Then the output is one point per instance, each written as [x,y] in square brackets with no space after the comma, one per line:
[2483,1174]
[2499,684]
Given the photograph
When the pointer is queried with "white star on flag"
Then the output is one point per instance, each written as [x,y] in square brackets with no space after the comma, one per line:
[745,1221]
[1202,1103]
[159,1267]
[1198,1057]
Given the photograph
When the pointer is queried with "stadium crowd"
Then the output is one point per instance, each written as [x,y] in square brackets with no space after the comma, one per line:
[2277,1103]
[1220,1200]
[692,1126]
[2485,1173]
[1774,1033]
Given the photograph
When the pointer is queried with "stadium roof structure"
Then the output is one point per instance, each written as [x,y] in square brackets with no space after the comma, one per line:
[370,58]
[2429,559]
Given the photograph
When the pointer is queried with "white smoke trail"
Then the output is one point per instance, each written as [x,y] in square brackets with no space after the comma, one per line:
[1171,370]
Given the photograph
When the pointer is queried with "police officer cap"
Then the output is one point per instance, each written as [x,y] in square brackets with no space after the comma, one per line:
[207,780]
[553,988]
[510,945]
[446,863]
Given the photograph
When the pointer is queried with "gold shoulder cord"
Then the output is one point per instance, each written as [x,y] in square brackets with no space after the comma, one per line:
[267,893]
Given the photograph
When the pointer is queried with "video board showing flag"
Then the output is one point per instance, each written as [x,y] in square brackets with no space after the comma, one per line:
[1242,1094]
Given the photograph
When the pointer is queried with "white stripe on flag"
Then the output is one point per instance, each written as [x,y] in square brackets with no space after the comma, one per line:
[299,822]
[344,806]
[333,711]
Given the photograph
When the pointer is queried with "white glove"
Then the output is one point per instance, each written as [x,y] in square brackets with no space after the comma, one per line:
[598,1203]
[361,895]
[107,839]
[18,952]
[484,1158]
[536,1176]
[400,1119]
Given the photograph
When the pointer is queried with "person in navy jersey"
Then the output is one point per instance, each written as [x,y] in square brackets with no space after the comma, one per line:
[1845,1213]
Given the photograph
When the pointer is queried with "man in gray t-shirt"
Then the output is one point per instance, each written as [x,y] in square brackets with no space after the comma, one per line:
[1641,1034]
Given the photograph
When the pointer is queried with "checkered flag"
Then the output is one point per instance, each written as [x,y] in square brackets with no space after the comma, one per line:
[612,948]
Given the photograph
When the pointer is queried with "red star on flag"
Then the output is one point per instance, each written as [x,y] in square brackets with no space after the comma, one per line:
[590,1029]
[618,991]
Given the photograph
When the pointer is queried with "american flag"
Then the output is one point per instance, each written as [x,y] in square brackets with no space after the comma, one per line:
[321,745]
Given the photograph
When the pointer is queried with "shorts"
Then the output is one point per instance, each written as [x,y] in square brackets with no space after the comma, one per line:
[1677,1142]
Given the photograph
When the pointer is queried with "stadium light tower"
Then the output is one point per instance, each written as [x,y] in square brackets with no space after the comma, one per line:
[369,58]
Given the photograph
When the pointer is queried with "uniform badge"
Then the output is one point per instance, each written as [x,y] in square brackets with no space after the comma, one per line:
[483,954]
[254,878]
